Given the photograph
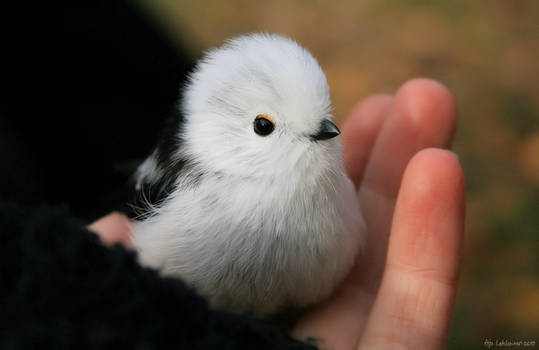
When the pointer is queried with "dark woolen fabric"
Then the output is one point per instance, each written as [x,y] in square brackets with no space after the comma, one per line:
[60,288]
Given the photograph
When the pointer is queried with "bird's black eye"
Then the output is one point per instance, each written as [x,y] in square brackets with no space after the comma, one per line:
[263,125]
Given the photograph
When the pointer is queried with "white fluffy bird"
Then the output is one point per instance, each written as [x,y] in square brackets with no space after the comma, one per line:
[245,197]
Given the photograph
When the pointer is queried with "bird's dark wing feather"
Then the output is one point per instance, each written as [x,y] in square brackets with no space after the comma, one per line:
[153,191]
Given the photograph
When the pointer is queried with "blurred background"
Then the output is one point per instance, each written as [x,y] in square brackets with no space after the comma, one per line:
[90,83]
[487,53]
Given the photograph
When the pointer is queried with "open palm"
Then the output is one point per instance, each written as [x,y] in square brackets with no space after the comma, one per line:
[400,293]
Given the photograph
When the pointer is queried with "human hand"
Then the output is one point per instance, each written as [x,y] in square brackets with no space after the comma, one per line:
[402,299]
[113,228]
[400,294]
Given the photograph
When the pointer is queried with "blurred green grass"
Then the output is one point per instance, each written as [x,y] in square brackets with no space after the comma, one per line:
[487,53]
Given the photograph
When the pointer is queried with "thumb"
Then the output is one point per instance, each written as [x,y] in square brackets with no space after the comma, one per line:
[113,228]
[415,300]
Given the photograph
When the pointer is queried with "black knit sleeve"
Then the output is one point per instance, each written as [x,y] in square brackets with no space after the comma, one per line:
[60,288]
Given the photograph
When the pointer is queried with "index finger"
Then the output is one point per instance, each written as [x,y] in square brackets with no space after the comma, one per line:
[359,132]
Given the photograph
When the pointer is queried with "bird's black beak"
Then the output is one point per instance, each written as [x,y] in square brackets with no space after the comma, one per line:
[328,130]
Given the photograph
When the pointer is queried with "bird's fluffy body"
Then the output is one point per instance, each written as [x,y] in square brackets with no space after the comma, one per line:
[254,223]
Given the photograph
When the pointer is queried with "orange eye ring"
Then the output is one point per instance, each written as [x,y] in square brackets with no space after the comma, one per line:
[263,125]
[265,117]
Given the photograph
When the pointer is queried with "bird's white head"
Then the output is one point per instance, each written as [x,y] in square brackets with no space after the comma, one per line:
[259,106]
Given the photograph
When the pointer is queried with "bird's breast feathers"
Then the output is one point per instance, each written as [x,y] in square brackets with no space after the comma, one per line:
[279,234]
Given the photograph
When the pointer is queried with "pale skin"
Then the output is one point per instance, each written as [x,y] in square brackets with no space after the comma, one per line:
[400,294]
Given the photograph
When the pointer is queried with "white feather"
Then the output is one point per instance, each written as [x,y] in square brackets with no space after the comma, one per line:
[273,221]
